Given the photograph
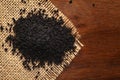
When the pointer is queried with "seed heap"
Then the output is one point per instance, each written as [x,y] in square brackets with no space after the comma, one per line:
[40,39]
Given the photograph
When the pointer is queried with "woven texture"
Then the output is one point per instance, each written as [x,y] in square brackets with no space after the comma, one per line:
[11,67]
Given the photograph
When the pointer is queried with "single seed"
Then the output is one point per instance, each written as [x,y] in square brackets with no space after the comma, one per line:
[51,68]
[93,5]
[36,77]
[2,44]
[23,1]
[46,0]
[14,20]
[39,3]
[5,49]
[70,1]
[38,72]
[6,29]
[1,28]
[46,69]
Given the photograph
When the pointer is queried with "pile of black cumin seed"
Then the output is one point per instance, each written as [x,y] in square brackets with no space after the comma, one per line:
[41,39]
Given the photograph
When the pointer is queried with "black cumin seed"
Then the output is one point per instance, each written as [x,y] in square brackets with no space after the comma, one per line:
[22,11]
[39,3]
[70,1]
[51,68]
[6,29]
[36,76]
[93,5]
[23,1]
[10,29]
[2,44]
[46,69]
[46,0]
[42,39]
[14,20]
[1,28]
[38,72]
[5,49]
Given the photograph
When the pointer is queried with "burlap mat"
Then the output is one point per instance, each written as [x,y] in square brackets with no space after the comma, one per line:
[11,67]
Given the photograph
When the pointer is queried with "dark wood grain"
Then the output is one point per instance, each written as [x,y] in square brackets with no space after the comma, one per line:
[98,21]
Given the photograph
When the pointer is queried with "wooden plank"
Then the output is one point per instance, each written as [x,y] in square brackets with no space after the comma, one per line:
[99,23]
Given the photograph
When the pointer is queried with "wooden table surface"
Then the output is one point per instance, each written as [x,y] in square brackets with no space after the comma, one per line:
[98,22]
